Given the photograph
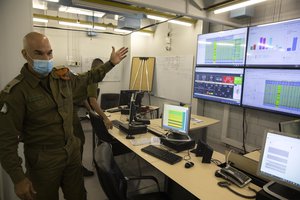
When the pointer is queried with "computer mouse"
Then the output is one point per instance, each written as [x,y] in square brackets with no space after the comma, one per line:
[188,164]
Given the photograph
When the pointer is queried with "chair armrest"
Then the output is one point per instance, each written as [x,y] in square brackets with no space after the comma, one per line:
[134,178]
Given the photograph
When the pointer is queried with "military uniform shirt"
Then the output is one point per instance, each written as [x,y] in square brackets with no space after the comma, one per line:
[28,112]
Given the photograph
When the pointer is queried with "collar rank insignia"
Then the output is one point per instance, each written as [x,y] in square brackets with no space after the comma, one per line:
[4,109]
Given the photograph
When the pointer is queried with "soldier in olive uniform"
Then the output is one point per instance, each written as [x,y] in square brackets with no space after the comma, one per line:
[92,97]
[37,108]
[90,104]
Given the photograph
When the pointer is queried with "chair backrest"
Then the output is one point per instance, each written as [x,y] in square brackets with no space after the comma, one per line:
[99,128]
[109,174]
[109,100]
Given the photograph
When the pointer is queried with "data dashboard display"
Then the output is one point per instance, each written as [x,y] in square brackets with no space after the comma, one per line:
[274,45]
[219,84]
[225,48]
[276,90]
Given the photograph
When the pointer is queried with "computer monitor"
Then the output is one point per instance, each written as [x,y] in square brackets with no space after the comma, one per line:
[292,126]
[222,85]
[280,163]
[275,90]
[125,96]
[274,45]
[225,48]
[176,119]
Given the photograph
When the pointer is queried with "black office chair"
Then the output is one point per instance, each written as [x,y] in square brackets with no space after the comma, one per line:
[103,135]
[112,180]
[109,100]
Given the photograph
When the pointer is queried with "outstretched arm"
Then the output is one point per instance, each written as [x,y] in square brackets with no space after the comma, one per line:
[95,106]
[117,56]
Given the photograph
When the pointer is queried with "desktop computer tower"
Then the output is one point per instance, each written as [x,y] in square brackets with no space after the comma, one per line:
[178,146]
[133,129]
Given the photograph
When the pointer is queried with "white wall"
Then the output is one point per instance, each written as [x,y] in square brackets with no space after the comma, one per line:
[78,46]
[15,21]
[183,42]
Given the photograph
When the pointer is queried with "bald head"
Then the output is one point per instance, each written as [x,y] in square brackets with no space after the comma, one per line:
[36,46]
[35,40]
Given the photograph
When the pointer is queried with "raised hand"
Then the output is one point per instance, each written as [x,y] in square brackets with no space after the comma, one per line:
[117,56]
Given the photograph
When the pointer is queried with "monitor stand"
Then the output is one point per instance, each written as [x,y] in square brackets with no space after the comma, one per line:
[280,191]
[178,137]
[178,142]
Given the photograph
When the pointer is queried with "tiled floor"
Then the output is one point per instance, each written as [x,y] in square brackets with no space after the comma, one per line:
[94,190]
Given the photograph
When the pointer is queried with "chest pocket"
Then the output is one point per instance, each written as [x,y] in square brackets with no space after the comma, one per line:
[38,102]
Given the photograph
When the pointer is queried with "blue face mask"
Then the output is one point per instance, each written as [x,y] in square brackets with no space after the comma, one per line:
[42,67]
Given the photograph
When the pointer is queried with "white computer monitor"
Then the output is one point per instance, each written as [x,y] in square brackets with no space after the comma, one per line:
[274,45]
[224,48]
[275,90]
[176,119]
[280,163]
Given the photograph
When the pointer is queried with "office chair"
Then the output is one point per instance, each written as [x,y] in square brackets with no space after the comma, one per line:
[112,180]
[109,100]
[103,135]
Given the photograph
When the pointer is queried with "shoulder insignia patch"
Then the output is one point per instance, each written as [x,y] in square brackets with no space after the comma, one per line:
[12,83]
[4,109]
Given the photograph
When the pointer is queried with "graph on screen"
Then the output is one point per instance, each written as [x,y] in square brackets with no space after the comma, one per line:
[275,90]
[274,45]
[226,48]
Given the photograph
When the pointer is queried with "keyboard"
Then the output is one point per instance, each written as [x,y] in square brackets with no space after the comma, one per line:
[162,154]
[156,131]
[113,110]
[116,123]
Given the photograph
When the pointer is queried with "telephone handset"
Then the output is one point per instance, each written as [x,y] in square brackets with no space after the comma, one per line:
[234,175]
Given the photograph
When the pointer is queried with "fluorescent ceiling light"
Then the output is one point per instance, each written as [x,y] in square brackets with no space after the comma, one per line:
[238,5]
[75,24]
[56,1]
[180,23]
[141,33]
[80,11]
[42,5]
[99,28]
[156,18]
[171,21]
[40,20]
[121,30]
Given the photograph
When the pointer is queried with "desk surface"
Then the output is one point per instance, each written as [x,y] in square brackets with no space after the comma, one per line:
[195,122]
[199,180]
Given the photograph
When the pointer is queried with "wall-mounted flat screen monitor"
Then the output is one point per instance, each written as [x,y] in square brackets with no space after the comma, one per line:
[219,84]
[274,45]
[276,90]
[279,162]
[225,48]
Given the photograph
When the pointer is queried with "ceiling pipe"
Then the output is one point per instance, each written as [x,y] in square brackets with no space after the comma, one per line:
[123,8]
[117,6]
[49,17]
